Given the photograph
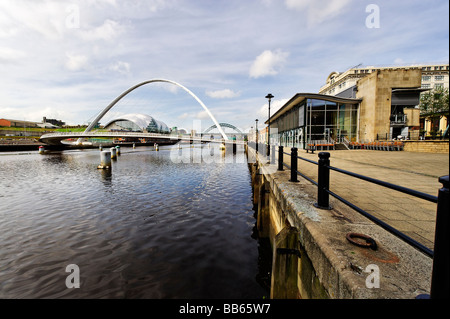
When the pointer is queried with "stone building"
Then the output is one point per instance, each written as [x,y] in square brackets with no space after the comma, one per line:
[381,105]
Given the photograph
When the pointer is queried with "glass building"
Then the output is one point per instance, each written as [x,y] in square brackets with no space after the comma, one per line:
[310,118]
[137,123]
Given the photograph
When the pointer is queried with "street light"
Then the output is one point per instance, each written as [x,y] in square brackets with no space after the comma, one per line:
[269,96]
[256,135]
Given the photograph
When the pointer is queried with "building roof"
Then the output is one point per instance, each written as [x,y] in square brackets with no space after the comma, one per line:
[141,120]
[299,97]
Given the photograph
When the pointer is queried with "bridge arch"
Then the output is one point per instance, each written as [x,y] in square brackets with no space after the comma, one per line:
[102,113]
[222,125]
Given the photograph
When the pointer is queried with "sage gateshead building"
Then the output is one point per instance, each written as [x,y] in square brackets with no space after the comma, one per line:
[137,123]
[315,118]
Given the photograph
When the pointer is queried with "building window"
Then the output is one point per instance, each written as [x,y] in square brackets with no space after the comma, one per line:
[426,86]
[439,78]
[439,85]
[426,78]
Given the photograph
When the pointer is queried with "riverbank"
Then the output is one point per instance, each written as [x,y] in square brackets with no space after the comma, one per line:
[312,256]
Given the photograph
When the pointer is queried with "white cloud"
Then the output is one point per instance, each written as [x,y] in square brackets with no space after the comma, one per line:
[107,31]
[202,115]
[222,94]
[75,62]
[268,63]
[10,55]
[46,18]
[121,67]
[318,11]
[275,105]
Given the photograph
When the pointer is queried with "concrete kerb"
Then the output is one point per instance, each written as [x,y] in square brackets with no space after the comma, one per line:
[340,266]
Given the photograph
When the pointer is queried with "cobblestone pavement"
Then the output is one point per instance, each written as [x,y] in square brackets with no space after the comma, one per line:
[419,171]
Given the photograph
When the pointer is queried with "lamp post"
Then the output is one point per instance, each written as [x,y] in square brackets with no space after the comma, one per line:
[269,97]
[256,135]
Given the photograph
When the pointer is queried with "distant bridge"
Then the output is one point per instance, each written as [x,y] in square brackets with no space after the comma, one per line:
[56,138]
[222,125]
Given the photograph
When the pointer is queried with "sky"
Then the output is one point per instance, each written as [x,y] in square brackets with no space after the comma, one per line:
[70,59]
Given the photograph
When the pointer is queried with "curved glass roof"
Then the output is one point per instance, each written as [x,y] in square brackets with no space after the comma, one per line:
[143,121]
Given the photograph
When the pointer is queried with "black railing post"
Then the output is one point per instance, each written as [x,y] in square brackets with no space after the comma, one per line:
[294,154]
[280,158]
[323,198]
[440,280]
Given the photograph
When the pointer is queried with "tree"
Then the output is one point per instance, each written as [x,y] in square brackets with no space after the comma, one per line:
[434,105]
[434,102]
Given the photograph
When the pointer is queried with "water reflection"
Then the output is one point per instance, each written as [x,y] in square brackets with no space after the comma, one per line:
[148,228]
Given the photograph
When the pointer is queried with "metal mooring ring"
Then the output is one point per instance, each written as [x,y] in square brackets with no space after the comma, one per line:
[370,242]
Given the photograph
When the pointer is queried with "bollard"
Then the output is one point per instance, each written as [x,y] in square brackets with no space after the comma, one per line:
[113,152]
[272,155]
[280,158]
[134,145]
[100,148]
[294,154]
[323,198]
[41,149]
[118,150]
[105,160]
[440,282]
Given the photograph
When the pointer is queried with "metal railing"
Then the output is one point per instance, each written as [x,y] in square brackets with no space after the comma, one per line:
[440,285]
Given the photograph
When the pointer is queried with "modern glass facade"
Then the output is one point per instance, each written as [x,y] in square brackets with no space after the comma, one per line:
[317,121]
[138,123]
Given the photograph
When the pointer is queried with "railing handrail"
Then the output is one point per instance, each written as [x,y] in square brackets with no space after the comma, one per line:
[399,188]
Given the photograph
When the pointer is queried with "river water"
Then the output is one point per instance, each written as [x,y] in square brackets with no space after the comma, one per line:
[158,225]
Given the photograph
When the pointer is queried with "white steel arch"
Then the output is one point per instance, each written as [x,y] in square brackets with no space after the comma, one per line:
[102,113]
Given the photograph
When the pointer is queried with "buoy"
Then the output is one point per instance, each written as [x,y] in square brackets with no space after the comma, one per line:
[105,160]
[41,149]
[113,153]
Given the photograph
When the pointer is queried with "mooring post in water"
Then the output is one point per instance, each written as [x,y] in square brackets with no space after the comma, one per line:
[440,281]
[41,149]
[100,147]
[105,160]
[113,152]
[118,149]
[134,145]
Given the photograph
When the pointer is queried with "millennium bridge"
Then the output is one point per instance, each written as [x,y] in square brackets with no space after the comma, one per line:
[57,138]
